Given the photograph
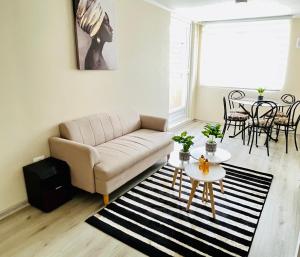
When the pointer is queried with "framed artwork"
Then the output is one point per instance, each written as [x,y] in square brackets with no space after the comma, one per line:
[95,41]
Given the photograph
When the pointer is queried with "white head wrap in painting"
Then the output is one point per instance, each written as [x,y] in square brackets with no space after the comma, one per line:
[90,16]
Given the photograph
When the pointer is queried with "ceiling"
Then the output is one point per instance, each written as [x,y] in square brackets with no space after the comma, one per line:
[210,10]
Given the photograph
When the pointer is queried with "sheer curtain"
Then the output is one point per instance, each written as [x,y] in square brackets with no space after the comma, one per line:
[245,54]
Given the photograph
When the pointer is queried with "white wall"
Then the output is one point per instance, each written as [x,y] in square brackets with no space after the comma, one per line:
[41,87]
[209,105]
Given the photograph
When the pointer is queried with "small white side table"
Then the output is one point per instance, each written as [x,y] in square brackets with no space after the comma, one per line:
[219,156]
[216,173]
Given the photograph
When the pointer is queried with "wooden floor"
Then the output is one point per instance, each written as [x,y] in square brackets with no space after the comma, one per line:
[63,232]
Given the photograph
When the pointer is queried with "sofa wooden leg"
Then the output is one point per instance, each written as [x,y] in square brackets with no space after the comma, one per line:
[168,157]
[105,199]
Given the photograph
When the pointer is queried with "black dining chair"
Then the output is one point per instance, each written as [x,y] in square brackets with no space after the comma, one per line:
[289,124]
[238,119]
[263,114]
[234,107]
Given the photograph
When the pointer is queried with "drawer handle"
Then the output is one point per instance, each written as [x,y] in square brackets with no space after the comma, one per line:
[58,187]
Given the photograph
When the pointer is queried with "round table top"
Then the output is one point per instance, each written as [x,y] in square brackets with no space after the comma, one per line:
[174,160]
[216,172]
[219,156]
[251,101]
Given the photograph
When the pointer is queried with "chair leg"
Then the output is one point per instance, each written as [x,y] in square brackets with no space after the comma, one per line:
[295,138]
[271,132]
[252,141]
[256,134]
[234,128]
[241,127]
[286,131]
[249,135]
[224,130]
[277,131]
[267,142]
[244,132]
[229,125]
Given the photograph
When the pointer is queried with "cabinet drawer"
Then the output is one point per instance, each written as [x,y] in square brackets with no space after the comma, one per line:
[56,197]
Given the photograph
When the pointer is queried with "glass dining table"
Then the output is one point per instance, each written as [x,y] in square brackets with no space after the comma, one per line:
[250,102]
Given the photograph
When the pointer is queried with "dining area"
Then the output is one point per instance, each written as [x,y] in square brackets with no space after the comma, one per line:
[261,119]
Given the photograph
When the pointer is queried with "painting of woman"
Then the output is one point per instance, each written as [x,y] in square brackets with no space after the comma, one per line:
[95,34]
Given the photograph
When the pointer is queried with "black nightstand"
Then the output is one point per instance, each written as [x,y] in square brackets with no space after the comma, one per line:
[48,183]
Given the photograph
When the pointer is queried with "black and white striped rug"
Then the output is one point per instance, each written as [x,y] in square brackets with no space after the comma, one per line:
[152,219]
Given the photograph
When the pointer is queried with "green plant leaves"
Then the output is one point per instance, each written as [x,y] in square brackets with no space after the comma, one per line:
[213,131]
[183,134]
[185,140]
[260,90]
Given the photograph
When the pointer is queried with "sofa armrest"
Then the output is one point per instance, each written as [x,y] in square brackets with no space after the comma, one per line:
[154,123]
[80,157]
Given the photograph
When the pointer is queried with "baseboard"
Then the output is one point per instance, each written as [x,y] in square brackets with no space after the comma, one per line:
[181,124]
[209,121]
[5,213]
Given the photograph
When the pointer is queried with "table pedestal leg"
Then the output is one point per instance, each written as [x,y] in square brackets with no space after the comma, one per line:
[174,177]
[203,192]
[180,183]
[221,186]
[206,193]
[212,201]
[195,183]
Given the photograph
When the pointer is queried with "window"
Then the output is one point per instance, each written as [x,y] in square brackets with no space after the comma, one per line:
[248,54]
[179,68]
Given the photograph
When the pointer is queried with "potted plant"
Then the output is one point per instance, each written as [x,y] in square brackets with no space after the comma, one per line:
[187,142]
[260,92]
[212,131]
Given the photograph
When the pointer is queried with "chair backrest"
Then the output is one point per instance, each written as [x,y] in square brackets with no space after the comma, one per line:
[235,95]
[288,98]
[263,113]
[294,113]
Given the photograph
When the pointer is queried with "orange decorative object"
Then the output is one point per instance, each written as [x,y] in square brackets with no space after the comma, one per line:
[206,167]
[201,162]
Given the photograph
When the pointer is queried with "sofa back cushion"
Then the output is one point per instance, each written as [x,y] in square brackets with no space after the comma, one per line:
[99,128]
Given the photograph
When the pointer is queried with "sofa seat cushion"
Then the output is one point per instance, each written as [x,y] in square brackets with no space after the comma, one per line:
[121,153]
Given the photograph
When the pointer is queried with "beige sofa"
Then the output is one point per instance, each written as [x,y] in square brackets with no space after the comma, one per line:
[104,151]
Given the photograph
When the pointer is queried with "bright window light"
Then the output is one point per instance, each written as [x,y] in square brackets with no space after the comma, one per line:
[179,63]
[248,54]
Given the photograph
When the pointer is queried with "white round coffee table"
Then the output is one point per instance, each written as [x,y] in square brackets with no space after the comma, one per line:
[219,156]
[216,173]
[178,165]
